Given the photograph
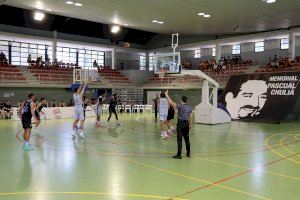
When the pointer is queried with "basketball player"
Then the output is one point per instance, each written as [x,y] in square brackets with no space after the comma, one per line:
[85,105]
[27,112]
[163,113]
[171,113]
[98,109]
[78,109]
[112,109]
[39,107]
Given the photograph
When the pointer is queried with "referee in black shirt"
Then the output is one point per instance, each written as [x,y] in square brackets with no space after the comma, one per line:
[183,125]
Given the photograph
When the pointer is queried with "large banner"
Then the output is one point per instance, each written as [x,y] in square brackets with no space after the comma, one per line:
[265,97]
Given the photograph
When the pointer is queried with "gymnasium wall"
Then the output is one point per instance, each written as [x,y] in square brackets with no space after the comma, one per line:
[49,93]
[193,95]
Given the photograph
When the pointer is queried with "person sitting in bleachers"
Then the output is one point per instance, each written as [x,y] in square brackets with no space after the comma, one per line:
[47,61]
[3,59]
[95,64]
[275,63]
[29,60]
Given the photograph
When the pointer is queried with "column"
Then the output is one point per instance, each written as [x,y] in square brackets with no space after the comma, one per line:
[54,46]
[218,52]
[292,46]
[113,58]
[147,61]
[9,53]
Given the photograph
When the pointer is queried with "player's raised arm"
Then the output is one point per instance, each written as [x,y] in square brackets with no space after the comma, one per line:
[171,102]
[84,87]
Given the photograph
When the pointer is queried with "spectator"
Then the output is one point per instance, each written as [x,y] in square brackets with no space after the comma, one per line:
[29,60]
[3,59]
[47,60]
[20,104]
[2,115]
[70,103]
[7,110]
[53,103]
[62,104]
[95,64]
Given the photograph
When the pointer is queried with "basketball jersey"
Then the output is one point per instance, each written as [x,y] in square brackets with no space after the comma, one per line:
[27,110]
[78,101]
[163,106]
[99,102]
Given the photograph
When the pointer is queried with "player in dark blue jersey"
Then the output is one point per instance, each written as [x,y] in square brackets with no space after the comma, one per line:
[27,112]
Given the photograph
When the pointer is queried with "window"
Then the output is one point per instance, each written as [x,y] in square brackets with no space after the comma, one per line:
[236,49]
[197,53]
[86,57]
[213,51]
[142,62]
[259,46]
[151,63]
[284,43]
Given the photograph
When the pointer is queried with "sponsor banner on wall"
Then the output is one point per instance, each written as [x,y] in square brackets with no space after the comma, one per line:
[57,113]
[265,97]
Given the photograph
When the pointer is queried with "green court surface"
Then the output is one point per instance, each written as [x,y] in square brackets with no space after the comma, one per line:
[229,161]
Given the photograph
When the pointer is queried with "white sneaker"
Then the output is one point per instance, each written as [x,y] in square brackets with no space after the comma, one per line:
[74,133]
[81,134]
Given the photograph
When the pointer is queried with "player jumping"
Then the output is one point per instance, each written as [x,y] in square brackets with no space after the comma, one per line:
[163,113]
[78,109]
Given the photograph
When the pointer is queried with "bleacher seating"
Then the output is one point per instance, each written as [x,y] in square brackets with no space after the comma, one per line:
[55,74]
[113,76]
[221,76]
[294,66]
[10,73]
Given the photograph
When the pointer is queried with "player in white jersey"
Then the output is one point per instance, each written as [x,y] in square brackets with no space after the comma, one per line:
[78,110]
[98,109]
[163,113]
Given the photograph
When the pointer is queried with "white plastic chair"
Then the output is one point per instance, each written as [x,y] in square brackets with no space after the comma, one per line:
[148,108]
[128,108]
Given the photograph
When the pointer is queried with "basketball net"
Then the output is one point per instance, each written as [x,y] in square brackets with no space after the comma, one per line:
[161,73]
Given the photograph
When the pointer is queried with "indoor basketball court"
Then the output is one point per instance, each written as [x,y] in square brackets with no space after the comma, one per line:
[181,100]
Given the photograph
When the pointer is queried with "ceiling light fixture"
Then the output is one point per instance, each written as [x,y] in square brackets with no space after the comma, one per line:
[201,14]
[154,21]
[271,1]
[206,15]
[77,4]
[115,29]
[125,24]
[49,10]
[69,2]
[39,16]
[160,22]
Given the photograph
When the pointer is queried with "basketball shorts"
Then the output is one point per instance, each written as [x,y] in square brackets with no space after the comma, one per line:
[26,123]
[163,117]
[79,114]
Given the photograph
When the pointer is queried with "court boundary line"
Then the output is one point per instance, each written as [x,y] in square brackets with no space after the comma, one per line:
[276,152]
[90,194]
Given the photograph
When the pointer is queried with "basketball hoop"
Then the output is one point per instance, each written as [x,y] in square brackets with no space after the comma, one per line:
[82,75]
